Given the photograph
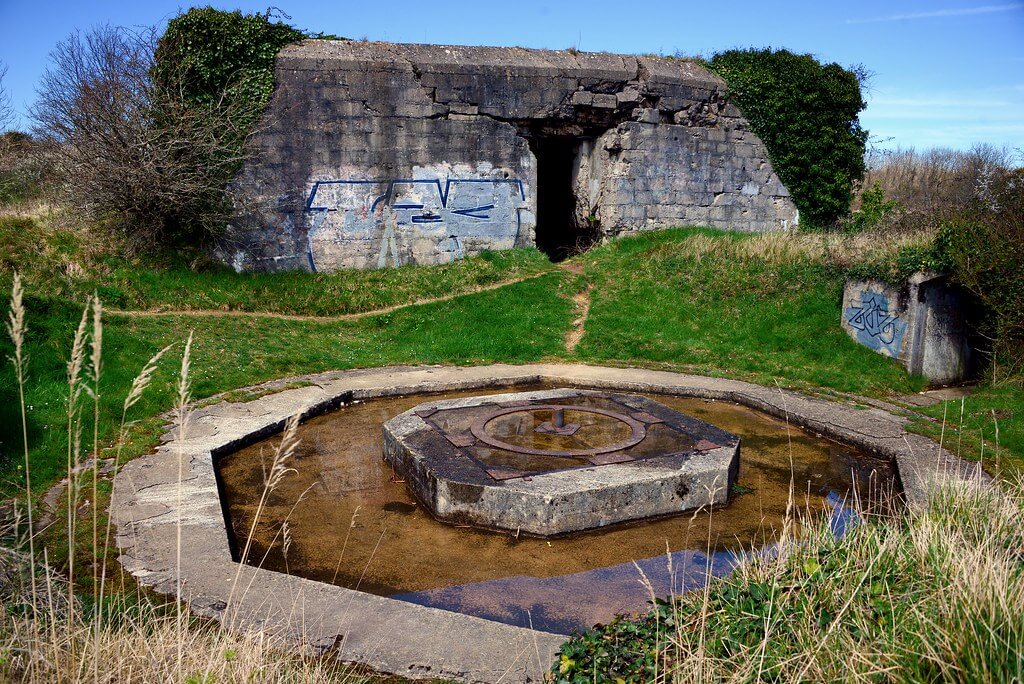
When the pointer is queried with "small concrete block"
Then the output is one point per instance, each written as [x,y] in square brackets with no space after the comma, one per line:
[647,115]
[628,95]
[603,101]
[582,98]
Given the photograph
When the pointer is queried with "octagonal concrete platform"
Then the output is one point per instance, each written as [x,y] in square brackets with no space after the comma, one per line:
[688,465]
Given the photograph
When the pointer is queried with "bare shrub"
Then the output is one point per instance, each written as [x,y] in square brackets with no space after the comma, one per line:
[6,107]
[131,151]
[25,169]
[937,181]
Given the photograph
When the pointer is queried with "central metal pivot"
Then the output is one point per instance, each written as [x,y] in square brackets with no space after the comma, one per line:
[557,424]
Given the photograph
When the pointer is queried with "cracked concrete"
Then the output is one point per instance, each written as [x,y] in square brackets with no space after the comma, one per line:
[353,161]
[151,509]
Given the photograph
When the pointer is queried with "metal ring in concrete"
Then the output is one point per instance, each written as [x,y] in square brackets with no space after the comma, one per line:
[170,498]
[637,431]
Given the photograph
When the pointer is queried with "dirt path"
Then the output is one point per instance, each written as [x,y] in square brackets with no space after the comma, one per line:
[582,301]
[199,313]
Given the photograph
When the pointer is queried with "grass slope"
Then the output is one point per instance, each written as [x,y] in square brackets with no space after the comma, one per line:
[519,323]
[66,262]
[713,312]
[762,308]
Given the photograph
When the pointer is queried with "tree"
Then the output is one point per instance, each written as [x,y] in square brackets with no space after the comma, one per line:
[129,150]
[6,107]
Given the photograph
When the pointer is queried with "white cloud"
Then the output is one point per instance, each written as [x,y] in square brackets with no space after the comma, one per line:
[941,14]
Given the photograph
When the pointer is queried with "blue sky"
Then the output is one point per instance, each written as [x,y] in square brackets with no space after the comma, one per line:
[947,73]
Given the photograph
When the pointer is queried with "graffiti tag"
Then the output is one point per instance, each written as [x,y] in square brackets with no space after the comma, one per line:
[873,317]
[419,219]
[875,325]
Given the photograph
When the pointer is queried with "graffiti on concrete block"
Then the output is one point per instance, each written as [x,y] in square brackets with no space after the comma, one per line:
[367,223]
[877,326]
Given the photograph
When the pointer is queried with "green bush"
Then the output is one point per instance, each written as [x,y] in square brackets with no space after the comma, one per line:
[211,56]
[984,249]
[805,112]
[874,208]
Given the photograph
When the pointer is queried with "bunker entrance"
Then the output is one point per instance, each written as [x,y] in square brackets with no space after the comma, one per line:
[561,232]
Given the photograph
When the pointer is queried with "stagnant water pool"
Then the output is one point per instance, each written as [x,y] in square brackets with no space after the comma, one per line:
[349,521]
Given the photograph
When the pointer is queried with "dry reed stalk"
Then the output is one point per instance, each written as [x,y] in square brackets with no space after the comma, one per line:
[183,400]
[16,329]
[278,469]
[75,388]
[95,371]
[138,387]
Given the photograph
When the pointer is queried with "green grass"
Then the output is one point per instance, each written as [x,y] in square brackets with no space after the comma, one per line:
[991,428]
[72,263]
[690,299]
[654,301]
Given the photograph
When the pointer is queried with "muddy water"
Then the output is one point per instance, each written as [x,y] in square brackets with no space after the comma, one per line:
[352,523]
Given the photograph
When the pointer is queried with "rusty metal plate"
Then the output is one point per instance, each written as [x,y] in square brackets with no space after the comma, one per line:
[461,439]
[502,474]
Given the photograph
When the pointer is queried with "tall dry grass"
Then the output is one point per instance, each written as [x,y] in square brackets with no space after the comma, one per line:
[936,181]
[938,596]
[69,624]
[842,250]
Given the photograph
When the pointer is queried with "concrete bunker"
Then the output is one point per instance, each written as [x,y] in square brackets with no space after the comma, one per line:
[377,154]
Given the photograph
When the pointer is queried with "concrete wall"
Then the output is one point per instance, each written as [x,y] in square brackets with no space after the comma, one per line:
[921,324]
[377,154]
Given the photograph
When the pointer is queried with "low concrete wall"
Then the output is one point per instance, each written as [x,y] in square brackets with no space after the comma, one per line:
[920,324]
[169,501]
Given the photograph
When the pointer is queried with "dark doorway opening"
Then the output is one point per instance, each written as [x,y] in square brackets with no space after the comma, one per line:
[559,233]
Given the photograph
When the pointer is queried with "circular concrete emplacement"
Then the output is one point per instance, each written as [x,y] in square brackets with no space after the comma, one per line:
[557,461]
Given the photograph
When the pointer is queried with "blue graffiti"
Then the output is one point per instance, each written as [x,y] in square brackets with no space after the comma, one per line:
[877,327]
[381,212]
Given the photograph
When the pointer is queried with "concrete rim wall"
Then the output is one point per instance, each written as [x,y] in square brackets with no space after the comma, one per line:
[174,491]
